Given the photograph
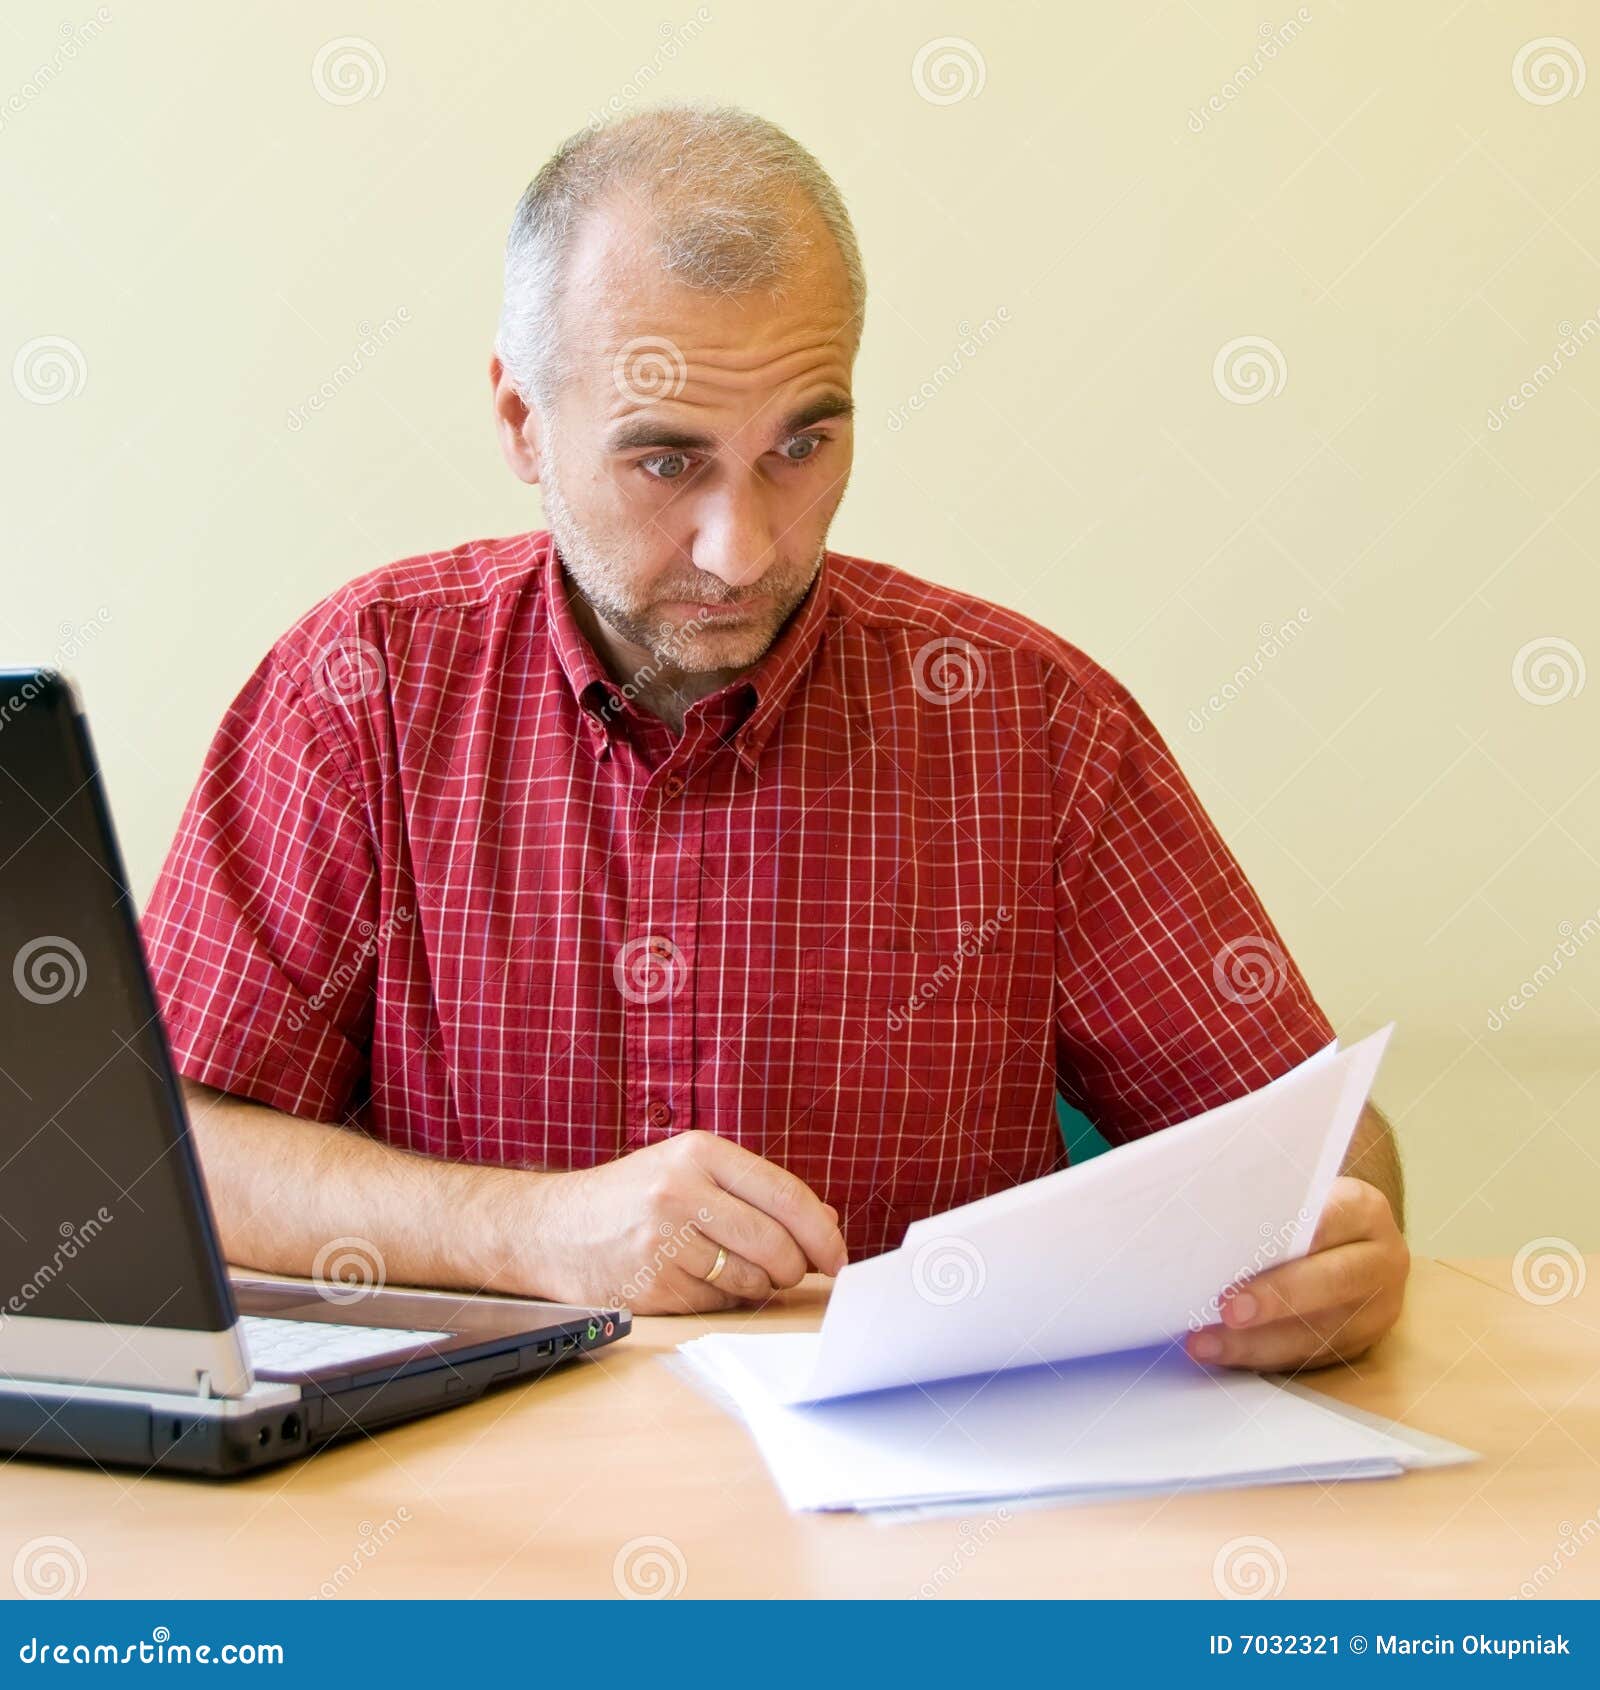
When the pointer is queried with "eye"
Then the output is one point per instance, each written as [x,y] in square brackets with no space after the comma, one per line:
[813,443]
[674,464]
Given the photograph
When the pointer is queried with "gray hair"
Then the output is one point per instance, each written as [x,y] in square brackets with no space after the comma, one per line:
[720,184]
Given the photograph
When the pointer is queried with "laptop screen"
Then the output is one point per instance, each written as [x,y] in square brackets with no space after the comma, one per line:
[102,1211]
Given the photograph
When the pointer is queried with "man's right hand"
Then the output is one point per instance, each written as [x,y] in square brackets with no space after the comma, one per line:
[645,1229]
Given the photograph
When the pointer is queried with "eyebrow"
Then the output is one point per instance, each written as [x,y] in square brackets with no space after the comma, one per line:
[643,432]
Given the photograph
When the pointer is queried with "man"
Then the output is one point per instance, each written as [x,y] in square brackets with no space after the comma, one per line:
[652,906]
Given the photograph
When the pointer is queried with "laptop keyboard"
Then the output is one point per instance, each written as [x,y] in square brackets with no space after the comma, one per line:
[301,1346]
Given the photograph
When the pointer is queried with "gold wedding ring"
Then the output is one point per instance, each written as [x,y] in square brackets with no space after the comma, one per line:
[718,1265]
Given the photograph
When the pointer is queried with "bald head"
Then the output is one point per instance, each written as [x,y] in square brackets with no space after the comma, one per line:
[720,200]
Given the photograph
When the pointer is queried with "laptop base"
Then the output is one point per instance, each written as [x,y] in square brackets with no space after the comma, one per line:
[228,1437]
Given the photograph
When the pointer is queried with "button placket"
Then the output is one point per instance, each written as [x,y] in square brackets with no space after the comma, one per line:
[665,876]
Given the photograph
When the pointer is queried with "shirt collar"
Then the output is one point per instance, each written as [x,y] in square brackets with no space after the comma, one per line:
[771,682]
[590,684]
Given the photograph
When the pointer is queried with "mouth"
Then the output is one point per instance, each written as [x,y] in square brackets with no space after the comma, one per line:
[698,611]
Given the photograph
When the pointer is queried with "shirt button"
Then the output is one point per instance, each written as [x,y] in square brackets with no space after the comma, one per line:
[661,948]
[674,785]
[659,1114]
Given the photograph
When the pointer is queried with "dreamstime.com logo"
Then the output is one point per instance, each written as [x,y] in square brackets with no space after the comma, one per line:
[373,938]
[969,343]
[948,671]
[1249,1568]
[649,1567]
[947,70]
[1571,938]
[1572,1538]
[348,70]
[1271,643]
[1548,670]
[973,1538]
[1249,970]
[370,1540]
[75,639]
[673,1239]
[48,969]
[1570,342]
[74,37]
[972,943]
[75,1237]
[49,1568]
[47,370]
[1548,69]
[347,1269]
[649,970]
[948,1270]
[370,342]
[1548,1270]
[1274,1242]
[1271,41]
[649,367]
[12,707]
[348,669]
[156,1650]
[674,641]
[1247,370]
[674,37]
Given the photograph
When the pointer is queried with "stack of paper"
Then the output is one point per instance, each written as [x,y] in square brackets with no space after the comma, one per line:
[1024,1345]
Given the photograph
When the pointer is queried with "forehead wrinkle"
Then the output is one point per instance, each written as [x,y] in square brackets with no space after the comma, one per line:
[679,413]
[664,414]
[732,369]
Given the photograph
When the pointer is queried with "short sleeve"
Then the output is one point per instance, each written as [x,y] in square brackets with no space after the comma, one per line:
[1177,993]
[259,927]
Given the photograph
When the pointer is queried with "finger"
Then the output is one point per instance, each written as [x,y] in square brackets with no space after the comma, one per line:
[755,1236]
[1354,1210]
[683,1293]
[780,1194]
[1278,1348]
[1340,1277]
[1287,1345]
[738,1276]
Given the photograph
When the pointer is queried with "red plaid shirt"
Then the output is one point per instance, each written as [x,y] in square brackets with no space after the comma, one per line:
[921,867]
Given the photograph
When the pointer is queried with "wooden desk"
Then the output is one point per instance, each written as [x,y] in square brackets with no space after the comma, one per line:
[1573,1291]
[535,1492]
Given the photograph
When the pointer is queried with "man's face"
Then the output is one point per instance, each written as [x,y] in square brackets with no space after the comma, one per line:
[692,467]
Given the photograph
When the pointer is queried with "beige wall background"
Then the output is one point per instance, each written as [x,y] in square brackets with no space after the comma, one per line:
[1255,349]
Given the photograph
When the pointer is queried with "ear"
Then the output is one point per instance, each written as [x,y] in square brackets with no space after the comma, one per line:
[519,426]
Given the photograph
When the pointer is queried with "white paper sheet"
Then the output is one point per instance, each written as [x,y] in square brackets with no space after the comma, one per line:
[1024,1345]
[1126,1251]
[1104,1425]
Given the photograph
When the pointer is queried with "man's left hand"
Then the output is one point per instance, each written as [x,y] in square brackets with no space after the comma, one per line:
[1331,1305]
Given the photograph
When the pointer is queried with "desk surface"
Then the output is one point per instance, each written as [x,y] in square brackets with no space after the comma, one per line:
[1552,1274]
[540,1489]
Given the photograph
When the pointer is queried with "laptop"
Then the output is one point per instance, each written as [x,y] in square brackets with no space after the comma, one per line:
[124,1341]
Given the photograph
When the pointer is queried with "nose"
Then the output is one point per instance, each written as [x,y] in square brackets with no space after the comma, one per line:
[734,535]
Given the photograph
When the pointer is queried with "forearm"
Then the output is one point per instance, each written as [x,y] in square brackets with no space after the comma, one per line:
[283,1189]
[652,1229]
[1374,1157]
